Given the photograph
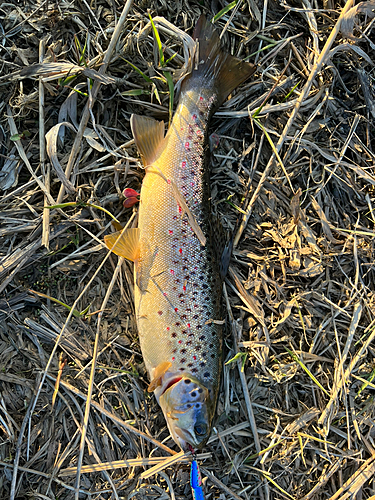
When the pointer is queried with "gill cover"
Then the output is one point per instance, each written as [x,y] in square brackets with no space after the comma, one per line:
[188,411]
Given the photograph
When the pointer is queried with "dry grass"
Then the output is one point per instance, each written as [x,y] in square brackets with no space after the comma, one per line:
[295,418]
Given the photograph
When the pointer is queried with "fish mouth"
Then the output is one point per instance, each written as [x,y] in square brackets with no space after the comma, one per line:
[171,382]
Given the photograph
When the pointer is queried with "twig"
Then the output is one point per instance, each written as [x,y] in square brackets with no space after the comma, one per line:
[245,389]
[95,89]
[46,169]
[114,418]
[18,450]
[305,91]
[91,381]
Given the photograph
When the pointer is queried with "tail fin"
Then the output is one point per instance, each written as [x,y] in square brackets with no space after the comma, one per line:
[213,66]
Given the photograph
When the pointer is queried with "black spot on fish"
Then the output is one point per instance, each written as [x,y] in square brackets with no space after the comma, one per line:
[207,374]
[202,364]
[174,335]
[200,390]
[187,381]
[182,360]
[193,394]
[194,370]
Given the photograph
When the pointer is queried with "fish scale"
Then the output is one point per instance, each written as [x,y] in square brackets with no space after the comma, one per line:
[178,260]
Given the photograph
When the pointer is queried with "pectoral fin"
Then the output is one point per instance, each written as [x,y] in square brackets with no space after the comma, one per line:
[124,243]
[160,370]
[148,135]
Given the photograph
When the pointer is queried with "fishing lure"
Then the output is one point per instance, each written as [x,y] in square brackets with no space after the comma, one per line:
[196,481]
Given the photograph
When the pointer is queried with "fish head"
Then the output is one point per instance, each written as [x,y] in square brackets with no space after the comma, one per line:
[188,410]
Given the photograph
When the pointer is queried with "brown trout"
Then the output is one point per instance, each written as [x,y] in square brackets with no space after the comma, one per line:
[179,267]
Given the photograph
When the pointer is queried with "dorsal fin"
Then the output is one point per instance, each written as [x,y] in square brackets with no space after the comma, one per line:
[148,135]
[124,243]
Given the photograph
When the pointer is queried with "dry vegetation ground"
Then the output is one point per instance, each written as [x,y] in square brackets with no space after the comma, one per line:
[297,422]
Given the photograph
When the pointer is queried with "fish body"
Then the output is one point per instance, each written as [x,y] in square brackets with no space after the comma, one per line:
[178,269]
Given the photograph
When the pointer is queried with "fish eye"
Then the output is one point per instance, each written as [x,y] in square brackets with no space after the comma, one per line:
[200,429]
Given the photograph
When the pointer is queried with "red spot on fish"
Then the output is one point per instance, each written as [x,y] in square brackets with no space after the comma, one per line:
[187,145]
[169,181]
[180,250]
[188,325]
[171,271]
[200,98]
[179,209]
[165,294]
[168,328]
[173,358]
[194,357]
[176,309]
[184,288]
[160,313]
[180,341]
[194,117]
[170,231]
[192,184]
[183,164]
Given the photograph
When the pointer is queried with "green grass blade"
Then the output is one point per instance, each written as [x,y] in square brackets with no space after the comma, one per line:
[158,41]
[304,367]
[171,58]
[367,383]
[135,92]
[168,77]
[226,9]
[290,92]
[145,77]
[76,313]
[82,204]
